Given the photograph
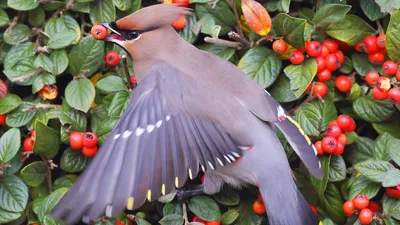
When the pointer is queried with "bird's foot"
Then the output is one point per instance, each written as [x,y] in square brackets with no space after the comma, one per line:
[184,194]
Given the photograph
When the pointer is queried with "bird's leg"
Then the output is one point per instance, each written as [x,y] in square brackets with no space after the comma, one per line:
[183,194]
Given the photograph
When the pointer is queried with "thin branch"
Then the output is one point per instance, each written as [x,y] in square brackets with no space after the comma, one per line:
[48,175]
[126,71]
[222,42]
[27,76]
[40,106]
[185,216]
[235,11]
[12,25]
[235,36]
[67,7]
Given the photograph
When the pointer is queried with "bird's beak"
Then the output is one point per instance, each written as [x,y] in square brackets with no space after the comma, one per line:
[115,36]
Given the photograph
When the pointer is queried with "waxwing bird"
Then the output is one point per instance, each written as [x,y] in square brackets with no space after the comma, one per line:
[191,111]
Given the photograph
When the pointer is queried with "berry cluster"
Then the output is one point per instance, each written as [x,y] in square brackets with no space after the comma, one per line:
[29,141]
[375,47]
[85,141]
[362,206]
[197,219]
[382,85]
[335,139]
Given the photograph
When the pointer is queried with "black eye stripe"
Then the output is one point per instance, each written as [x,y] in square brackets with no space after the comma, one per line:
[129,34]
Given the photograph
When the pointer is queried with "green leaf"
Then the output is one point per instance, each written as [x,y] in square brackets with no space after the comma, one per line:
[382,146]
[102,11]
[172,208]
[229,217]
[394,152]
[371,10]
[337,171]
[111,84]
[73,161]
[63,24]
[17,53]
[36,17]
[49,202]
[363,185]
[186,33]
[21,68]
[76,119]
[4,20]
[374,170]
[22,5]
[87,56]
[15,165]
[6,216]
[49,220]
[62,40]
[392,178]
[19,33]
[19,117]
[330,13]
[347,66]
[262,65]
[172,219]
[205,208]
[333,203]
[247,215]
[10,142]
[388,6]
[105,128]
[351,30]
[80,94]
[221,51]
[119,103]
[227,197]
[122,5]
[42,80]
[301,75]
[44,62]
[391,207]
[309,119]
[362,65]
[281,91]
[65,181]
[355,92]
[360,150]
[373,110]
[290,28]
[222,15]
[60,61]
[391,126]
[47,141]
[14,194]
[34,174]
[321,184]
[392,36]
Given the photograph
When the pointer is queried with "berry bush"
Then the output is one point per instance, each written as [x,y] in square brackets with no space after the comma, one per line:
[333,64]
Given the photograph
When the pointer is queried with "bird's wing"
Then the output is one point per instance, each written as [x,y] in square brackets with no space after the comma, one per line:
[162,138]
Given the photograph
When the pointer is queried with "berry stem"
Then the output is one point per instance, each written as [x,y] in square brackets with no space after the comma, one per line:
[48,175]
[126,71]
[235,36]
[235,11]
[40,106]
[185,216]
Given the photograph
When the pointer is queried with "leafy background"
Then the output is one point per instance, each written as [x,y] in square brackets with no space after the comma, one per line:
[47,42]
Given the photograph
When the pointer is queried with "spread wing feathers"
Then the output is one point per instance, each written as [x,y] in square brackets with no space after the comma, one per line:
[154,147]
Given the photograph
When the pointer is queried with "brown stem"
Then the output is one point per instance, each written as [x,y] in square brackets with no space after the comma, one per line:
[43,49]
[48,177]
[81,75]
[235,11]
[235,36]
[12,25]
[27,76]
[67,7]
[185,216]
[40,106]
[222,42]
[126,71]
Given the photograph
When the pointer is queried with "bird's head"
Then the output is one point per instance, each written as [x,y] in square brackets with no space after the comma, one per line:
[143,32]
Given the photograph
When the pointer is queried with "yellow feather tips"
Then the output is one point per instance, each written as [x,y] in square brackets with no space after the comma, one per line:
[300,129]
[129,204]
[320,223]
[190,174]
[163,189]
[149,195]
[176,182]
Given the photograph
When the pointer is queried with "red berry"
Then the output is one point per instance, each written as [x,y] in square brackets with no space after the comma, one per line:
[374,206]
[3,119]
[372,77]
[381,41]
[318,146]
[383,51]
[320,88]
[279,46]
[389,68]
[343,45]
[76,140]
[258,207]
[340,55]
[332,122]
[379,95]
[89,151]
[321,63]
[370,45]
[398,74]
[329,144]
[352,126]
[89,139]
[376,58]
[394,95]
[344,121]
[332,45]
[343,139]
[333,131]
[359,47]
[112,58]
[213,223]
[179,23]
[33,134]
[343,83]
[361,201]
[28,144]
[339,150]
[314,49]
[259,197]
[348,207]
[313,208]
[308,88]
[296,57]
[181,3]
[365,216]
[324,51]
[332,62]
[197,219]
[383,84]
[99,32]
[324,75]
[133,79]
[393,192]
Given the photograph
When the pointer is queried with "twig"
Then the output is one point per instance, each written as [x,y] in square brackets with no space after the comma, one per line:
[48,175]
[185,216]
[68,6]
[235,11]
[81,75]
[39,106]
[12,25]
[222,42]
[126,71]
[27,76]
[235,36]
[43,49]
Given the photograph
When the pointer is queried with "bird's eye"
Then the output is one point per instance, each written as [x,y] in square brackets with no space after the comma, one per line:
[133,35]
